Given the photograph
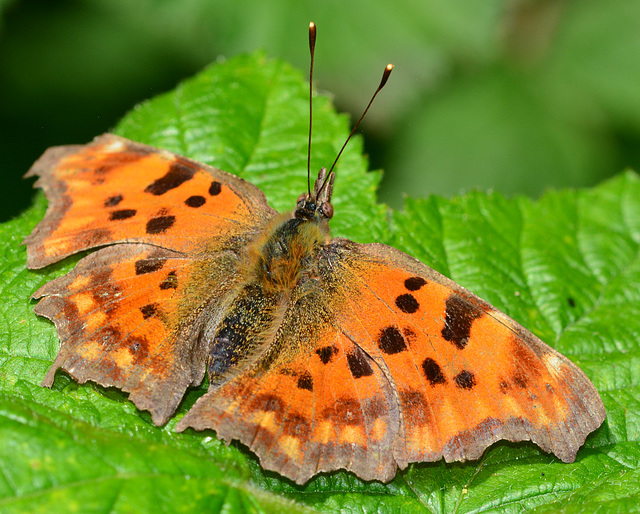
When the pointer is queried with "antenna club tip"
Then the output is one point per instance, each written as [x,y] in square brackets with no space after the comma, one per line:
[312,35]
[385,77]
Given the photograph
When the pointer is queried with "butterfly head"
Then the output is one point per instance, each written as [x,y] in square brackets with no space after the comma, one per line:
[317,205]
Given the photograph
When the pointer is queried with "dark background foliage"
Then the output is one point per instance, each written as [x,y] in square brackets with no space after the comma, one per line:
[514,95]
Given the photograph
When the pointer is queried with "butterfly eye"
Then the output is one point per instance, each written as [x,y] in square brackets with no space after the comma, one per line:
[327,210]
[302,198]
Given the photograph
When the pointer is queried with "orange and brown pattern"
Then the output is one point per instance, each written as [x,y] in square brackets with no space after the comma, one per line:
[322,353]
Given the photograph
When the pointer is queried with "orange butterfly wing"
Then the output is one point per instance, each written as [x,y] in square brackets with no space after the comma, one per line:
[404,366]
[115,190]
[310,414]
[464,373]
[128,315]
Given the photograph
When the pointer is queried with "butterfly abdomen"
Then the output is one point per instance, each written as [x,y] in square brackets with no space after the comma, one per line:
[243,332]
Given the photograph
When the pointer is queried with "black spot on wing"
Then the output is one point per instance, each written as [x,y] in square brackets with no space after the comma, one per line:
[432,372]
[407,303]
[459,317]
[358,364]
[112,201]
[391,341]
[326,353]
[195,201]
[215,188]
[465,379]
[149,310]
[122,214]
[144,266]
[305,381]
[179,173]
[414,283]
[160,224]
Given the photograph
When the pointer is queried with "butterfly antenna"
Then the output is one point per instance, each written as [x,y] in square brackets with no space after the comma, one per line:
[312,50]
[385,76]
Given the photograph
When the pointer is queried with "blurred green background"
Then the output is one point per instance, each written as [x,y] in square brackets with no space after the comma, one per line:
[511,95]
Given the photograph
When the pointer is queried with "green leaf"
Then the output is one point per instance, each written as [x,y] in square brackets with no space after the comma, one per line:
[566,266]
[595,56]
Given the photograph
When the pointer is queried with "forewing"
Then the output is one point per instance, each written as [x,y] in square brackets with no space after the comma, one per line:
[114,190]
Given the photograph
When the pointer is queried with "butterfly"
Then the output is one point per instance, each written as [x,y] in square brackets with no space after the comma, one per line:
[321,353]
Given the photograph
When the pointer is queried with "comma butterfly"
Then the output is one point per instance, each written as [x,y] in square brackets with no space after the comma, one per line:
[322,353]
